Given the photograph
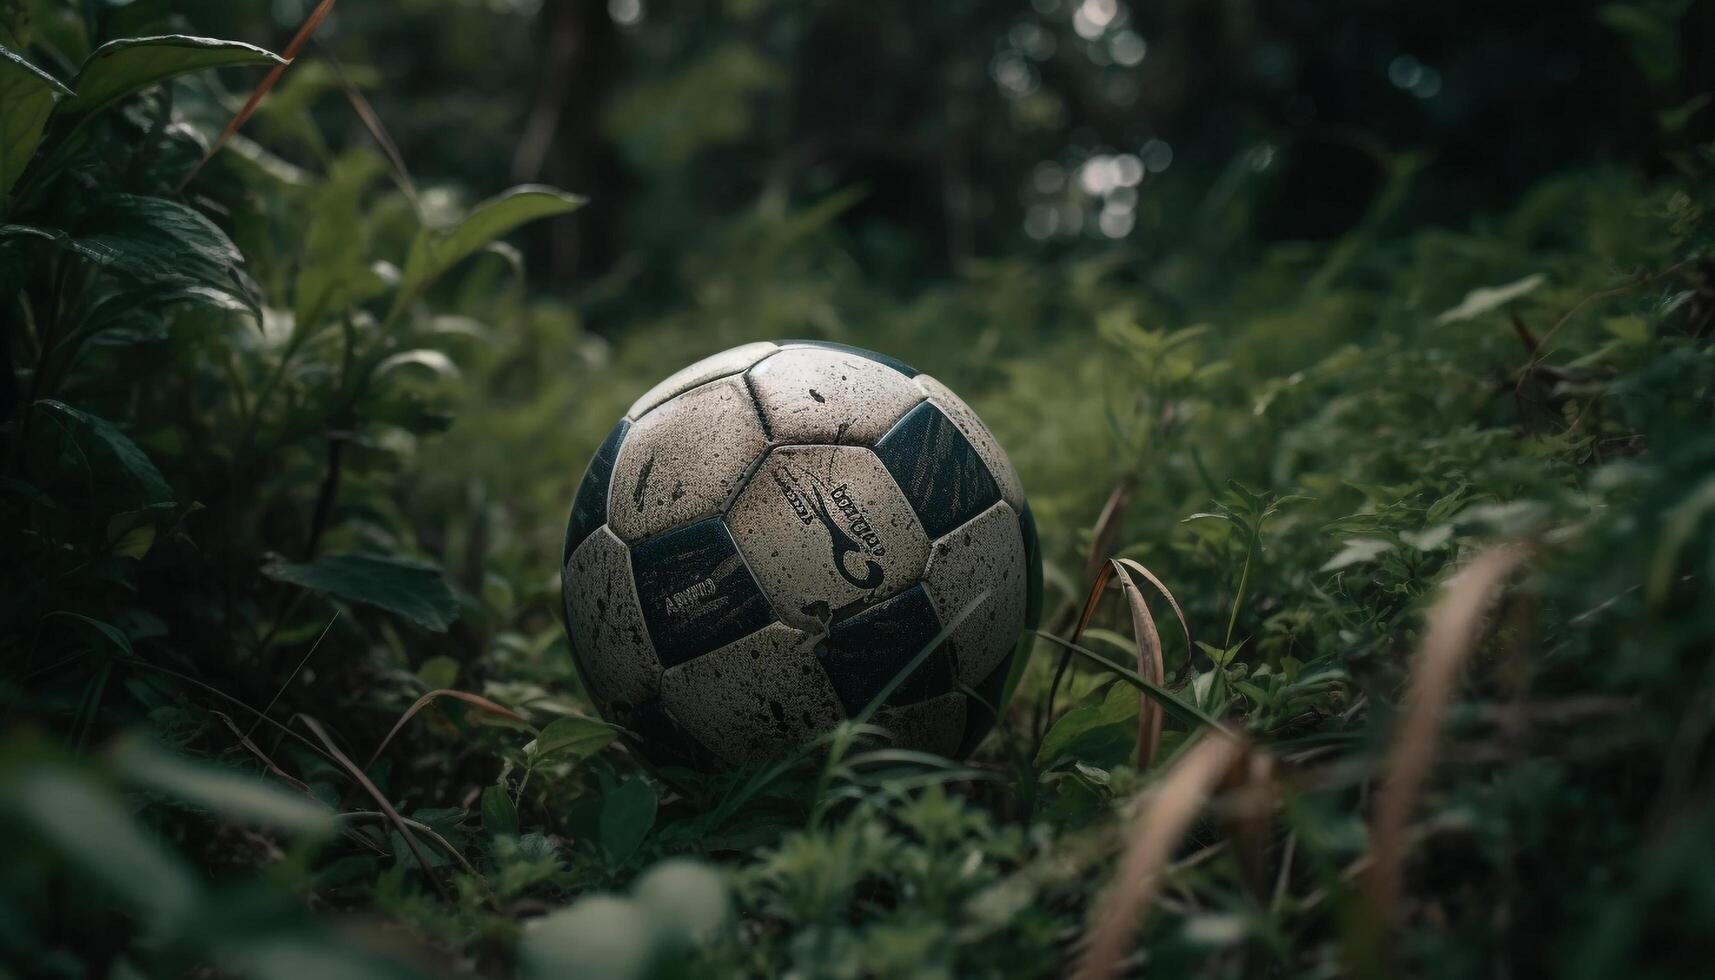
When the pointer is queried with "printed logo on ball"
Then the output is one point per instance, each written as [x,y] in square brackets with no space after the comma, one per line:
[856,538]
[682,601]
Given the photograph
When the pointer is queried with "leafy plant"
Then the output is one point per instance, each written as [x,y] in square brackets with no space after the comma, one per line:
[286,691]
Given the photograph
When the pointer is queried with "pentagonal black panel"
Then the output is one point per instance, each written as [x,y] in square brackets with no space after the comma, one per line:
[863,652]
[589,508]
[1032,570]
[892,362]
[652,730]
[695,591]
[980,710]
[938,469]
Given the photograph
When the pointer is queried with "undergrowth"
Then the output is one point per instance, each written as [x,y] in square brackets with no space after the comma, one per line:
[288,448]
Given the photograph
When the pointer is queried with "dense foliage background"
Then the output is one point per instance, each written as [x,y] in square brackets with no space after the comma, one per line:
[1305,307]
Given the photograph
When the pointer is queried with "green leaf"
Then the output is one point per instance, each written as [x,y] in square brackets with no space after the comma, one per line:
[108,631]
[437,673]
[436,251]
[27,96]
[1221,655]
[571,737]
[155,240]
[129,65]
[404,588]
[627,815]
[334,272]
[1358,551]
[92,431]
[499,814]
[1093,732]
[1651,28]
[1633,329]
[132,533]
[1480,301]
[222,791]
[1177,707]
[105,844]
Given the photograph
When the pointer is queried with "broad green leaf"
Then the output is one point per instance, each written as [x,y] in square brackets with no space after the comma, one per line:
[94,432]
[169,252]
[404,588]
[1358,551]
[153,239]
[129,65]
[112,634]
[1480,301]
[132,533]
[433,362]
[499,814]
[571,737]
[437,250]
[221,791]
[27,96]
[1634,330]
[1221,656]
[438,673]
[627,815]
[1094,732]
[135,543]
[105,844]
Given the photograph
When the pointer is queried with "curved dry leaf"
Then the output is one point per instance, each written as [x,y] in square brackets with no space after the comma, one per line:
[474,700]
[1166,593]
[1150,663]
[1454,626]
[1156,827]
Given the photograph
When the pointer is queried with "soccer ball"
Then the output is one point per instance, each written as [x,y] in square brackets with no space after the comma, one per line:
[772,534]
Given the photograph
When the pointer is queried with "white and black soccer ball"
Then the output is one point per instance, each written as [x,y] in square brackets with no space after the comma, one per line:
[770,535]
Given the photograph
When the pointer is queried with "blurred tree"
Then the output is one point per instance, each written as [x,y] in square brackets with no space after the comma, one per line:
[977,129]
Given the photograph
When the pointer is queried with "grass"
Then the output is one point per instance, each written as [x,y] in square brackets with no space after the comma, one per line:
[1444,495]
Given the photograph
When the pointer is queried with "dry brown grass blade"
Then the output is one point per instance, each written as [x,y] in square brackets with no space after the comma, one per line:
[1091,601]
[474,700]
[1454,626]
[262,756]
[305,32]
[1149,663]
[288,778]
[445,845]
[1156,827]
[371,120]
[1166,593]
[1094,599]
[1108,526]
[1148,637]
[381,801]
